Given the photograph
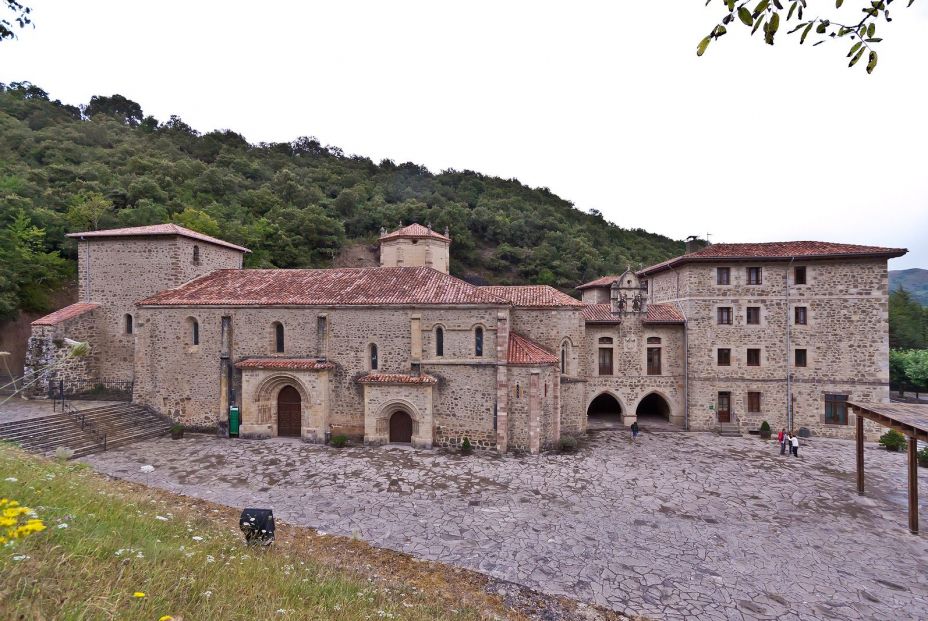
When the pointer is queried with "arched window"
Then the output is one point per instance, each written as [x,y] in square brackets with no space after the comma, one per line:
[128,323]
[194,332]
[278,337]
[373,357]
[478,341]
[196,255]
[564,358]
[439,341]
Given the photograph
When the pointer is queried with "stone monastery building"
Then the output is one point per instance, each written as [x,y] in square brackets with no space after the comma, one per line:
[728,335]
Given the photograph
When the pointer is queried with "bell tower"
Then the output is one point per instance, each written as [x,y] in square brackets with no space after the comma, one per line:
[415,246]
[626,294]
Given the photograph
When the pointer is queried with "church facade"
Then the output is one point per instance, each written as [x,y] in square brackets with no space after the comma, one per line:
[726,335]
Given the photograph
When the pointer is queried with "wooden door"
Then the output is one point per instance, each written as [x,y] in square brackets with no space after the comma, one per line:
[724,407]
[400,427]
[288,412]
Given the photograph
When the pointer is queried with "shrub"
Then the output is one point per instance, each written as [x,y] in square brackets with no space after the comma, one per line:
[177,428]
[568,444]
[765,430]
[339,441]
[63,453]
[923,457]
[466,447]
[893,440]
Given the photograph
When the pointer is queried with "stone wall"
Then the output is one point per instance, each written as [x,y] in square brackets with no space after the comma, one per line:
[46,349]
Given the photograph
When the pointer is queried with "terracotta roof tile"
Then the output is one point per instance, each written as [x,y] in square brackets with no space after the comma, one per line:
[528,352]
[158,229]
[600,313]
[414,231]
[664,313]
[533,296]
[605,281]
[303,364]
[776,251]
[396,378]
[68,312]
[360,286]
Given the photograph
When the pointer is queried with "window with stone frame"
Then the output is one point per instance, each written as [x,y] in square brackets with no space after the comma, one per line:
[753,357]
[753,402]
[753,315]
[801,315]
[723,357]
[799,275]
[194,331]
[373,357]
[755,275]
[196,255]
[439,342]
[724,315]
[565,357]
[654,360]
[723,275]
[605,359]
[278,337]
[835,409]
[128,323]
[478,341]
[800,358]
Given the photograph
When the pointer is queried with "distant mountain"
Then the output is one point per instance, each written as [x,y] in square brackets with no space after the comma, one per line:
[914,280]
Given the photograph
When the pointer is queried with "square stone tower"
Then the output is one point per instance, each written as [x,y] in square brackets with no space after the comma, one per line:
[415,246]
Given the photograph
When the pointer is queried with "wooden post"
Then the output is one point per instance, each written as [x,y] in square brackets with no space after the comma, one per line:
[860,454]
[913,485]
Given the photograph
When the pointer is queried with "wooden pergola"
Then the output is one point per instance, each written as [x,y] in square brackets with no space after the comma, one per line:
[909,419]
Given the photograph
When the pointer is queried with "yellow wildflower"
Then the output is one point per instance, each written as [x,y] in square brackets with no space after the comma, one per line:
[138,594]
[10,527]
[166,618]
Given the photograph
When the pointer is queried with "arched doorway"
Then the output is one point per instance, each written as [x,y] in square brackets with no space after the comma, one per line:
[289,412]
[400,427]
[604,412]
[654,407]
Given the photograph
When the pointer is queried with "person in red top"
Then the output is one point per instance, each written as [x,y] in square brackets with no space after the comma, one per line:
[781,438]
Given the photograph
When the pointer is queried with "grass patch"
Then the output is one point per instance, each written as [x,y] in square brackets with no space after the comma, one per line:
[107,540]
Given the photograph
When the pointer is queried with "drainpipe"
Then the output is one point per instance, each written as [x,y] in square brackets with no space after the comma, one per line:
[789,373]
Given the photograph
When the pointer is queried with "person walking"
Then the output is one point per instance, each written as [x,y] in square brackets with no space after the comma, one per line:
[795,445]
[781,438]
[634,431]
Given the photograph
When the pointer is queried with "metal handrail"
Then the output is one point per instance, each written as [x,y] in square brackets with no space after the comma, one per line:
[87,425]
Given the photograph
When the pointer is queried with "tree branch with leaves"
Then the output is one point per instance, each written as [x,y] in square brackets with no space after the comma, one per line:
[766,16]
[20,17]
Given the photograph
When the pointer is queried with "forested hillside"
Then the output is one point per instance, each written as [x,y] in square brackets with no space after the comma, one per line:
[65,168]
[913,280]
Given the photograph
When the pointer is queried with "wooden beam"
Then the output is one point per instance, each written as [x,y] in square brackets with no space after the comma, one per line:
[913,486]
[860,454]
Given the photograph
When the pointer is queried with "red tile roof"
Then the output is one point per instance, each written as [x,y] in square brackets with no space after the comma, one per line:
[68,312]
[396,378]
[600,313]
[523,351]
[158,229]
[414,231]
[605,281]
[533,296]
[302,364]
[664,313]
[359,286]
[772,251]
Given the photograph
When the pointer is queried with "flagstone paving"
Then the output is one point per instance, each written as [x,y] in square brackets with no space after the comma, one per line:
[678,526]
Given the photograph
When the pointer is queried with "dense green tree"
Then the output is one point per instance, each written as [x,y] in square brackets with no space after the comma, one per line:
[916,368]
[30,273]
[117,106]
[908,322]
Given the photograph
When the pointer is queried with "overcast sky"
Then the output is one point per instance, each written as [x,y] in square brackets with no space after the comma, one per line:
[604,103]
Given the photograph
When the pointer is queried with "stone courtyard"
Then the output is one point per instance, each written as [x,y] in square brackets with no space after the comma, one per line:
[678,526]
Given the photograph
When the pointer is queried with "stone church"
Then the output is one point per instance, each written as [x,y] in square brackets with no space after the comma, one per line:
[723,337]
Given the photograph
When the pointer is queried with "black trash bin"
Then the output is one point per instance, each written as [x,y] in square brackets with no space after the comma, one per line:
[258,526]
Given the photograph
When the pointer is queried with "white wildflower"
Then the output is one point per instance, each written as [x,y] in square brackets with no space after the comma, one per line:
[21,557]
[11,479]
[197,538]
[207,594]
[161,517]
[210,559]
[63,525]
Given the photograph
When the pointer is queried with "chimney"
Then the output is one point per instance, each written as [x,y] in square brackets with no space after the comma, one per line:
[693,243]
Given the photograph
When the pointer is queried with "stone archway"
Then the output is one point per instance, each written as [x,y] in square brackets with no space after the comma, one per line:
[400,427]
[275,391]
[289,412]
[604,412]
[654,407]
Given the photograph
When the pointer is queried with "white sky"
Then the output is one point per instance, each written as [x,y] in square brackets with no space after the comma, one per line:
[604,103]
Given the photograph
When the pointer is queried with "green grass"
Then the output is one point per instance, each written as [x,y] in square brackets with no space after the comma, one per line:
[192,563]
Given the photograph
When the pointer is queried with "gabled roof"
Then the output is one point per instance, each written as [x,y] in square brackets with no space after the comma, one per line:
[533,296]
[656,313]
[63,314]
[158,229]
[302,364]
[523,351]
[605,281]
[600,313]
[776,251]
[414,231]
[396,378]
[358,286]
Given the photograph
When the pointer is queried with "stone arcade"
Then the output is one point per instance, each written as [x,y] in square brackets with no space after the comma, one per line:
[729,334]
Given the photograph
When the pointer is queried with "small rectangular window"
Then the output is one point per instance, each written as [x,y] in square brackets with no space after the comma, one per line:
[605,361]
[723,275]
[753,357]
[754,315]
[754,402]
[654,360]
[801,358]
[835,409]
[799,275]
[801,315]
[725,315]
[754,276]
[724,357]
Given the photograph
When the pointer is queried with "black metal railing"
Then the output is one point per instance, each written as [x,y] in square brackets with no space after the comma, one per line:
[86,425]
[103,390]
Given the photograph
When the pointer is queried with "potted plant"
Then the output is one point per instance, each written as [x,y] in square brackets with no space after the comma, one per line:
[177,431]
[765,430]
[466,447]
[892,440]
[339,441]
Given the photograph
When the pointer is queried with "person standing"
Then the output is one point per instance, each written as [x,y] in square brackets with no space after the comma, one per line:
[781,438]
[795,445]
[634,431]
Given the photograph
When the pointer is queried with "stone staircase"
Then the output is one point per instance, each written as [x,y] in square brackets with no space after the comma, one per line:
[729,430]
[86,431]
